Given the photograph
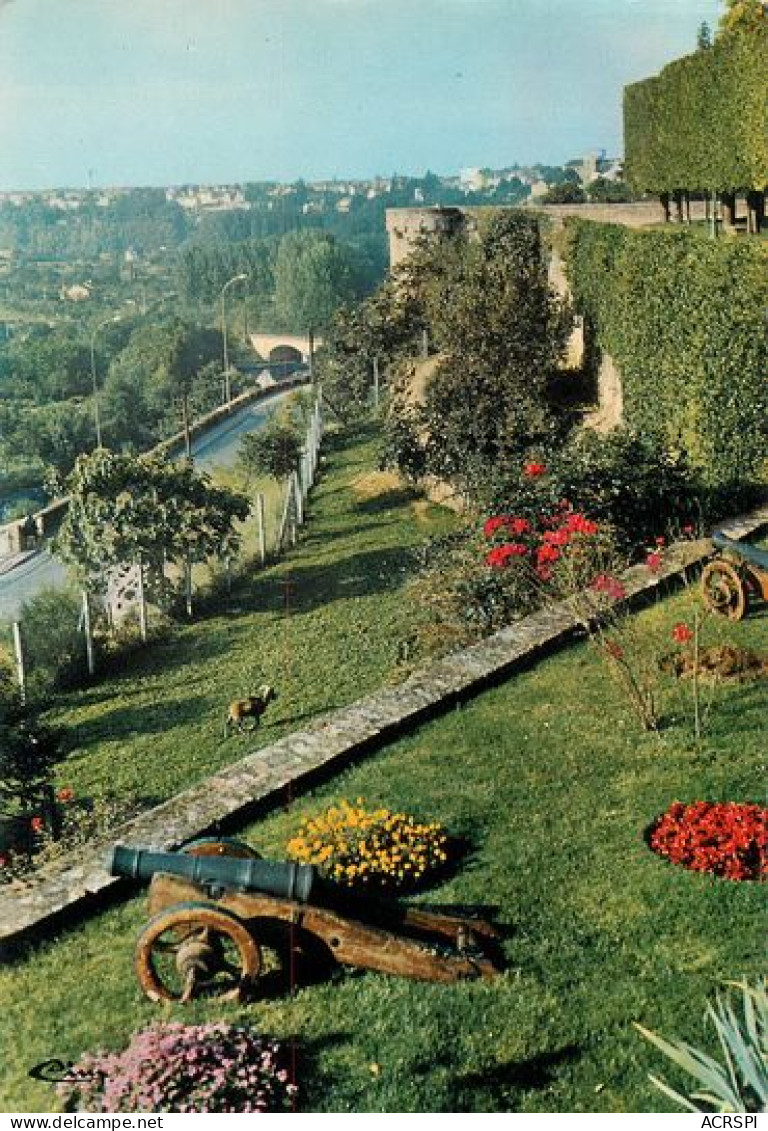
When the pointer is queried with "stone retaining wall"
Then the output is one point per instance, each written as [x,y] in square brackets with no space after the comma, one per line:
[80,883]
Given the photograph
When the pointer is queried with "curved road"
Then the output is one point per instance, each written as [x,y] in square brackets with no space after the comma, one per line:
[217,448]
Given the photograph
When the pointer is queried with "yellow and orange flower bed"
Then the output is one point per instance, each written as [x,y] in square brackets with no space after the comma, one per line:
[370,848]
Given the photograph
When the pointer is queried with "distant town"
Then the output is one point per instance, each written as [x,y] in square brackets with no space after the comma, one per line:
[513,184]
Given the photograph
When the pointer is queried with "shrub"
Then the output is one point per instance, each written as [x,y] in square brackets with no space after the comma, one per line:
[54,645]
[370,848]
[185,1068]
[27,755]
[724,838]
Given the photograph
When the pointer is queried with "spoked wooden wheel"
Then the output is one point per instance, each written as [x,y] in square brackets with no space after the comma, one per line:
[724,590]
[196,950]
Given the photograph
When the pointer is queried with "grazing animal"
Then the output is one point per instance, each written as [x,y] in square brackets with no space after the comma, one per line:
[251,708]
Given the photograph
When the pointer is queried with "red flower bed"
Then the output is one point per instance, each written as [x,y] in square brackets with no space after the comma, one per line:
[724,838]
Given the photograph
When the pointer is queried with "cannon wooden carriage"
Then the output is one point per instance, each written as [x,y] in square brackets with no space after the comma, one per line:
[736,577]
[216,907]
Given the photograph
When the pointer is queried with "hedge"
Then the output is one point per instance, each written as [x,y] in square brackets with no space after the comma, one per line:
[702,123]
[683,316]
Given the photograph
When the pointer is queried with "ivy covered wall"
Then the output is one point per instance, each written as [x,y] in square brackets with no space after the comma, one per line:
[683,316]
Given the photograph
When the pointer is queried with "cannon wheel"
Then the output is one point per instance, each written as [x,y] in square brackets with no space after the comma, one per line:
[196,948]
[724,590]
[220,846]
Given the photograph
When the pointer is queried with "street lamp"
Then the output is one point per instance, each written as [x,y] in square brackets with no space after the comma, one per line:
[96,415]
[224,289]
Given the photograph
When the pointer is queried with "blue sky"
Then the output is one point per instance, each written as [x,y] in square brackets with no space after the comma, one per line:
[176,91]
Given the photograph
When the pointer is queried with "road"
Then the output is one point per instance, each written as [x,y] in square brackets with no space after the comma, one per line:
[217,448]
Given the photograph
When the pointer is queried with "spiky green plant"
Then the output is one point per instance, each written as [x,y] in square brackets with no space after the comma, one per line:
[738,1083]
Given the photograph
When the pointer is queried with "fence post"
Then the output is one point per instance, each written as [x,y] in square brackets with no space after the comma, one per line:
[142,604]
[262,527]
[188,584]
[20,672]
[88,635]
[283,528]
[298,499]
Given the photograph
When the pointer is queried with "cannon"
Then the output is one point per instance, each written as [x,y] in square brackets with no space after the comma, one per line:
[736,577]
[216,906]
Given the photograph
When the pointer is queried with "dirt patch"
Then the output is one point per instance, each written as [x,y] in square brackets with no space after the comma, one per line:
[376,483]
[721,662]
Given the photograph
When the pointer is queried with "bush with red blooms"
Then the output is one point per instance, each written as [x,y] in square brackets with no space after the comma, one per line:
[725,838]
[540,541]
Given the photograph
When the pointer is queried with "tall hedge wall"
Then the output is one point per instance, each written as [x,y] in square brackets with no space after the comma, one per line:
[702,123]
[684,318]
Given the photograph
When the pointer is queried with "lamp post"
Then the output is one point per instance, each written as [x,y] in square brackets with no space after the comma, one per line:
[96,414]
[224,289]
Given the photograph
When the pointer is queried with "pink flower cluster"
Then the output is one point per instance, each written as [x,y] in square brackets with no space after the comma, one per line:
[185,1068]
[611,586]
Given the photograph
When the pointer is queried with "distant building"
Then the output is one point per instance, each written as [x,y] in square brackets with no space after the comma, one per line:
[78,292]
[538,189]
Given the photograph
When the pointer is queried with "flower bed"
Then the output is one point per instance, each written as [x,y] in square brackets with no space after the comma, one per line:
[724,838]
[185,1068]
[370,848]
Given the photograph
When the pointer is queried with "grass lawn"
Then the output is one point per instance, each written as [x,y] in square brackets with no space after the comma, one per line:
[336,604]
[546,777]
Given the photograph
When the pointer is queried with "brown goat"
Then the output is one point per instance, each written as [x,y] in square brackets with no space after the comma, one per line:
[253,707]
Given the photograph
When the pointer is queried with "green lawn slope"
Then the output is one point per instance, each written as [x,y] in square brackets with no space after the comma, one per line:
[548,780]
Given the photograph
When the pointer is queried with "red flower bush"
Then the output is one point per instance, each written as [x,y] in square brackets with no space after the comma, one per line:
[501,556]
[498,522]
[654,562]
[723,838]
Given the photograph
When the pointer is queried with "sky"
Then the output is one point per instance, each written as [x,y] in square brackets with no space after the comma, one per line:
[162,92]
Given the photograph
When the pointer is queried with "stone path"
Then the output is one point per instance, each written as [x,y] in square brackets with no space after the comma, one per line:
[79,882]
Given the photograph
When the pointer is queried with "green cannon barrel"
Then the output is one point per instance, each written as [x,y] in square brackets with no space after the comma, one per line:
[746,550]
[269,877]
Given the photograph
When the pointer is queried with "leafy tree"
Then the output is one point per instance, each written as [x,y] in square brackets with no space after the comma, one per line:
[143,509]
[704,37]
[49,366]
[56,434]
[565,193]
[749,15]
[603,191]
[274,450]
[500,332]
[163,375]
[314,276]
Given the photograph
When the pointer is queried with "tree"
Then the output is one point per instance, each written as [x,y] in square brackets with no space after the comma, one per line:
[565,193]
[747,15]
[500,332]
[162,375]
[56,434]
[314,276]
[603,191]
[274,450]
[143,510]
[704,37]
